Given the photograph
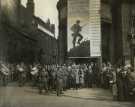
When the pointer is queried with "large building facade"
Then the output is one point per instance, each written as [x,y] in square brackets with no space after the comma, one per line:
[122,19]
[116,24]
[25,39]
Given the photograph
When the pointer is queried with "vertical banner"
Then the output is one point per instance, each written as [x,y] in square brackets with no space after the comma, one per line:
[84,28]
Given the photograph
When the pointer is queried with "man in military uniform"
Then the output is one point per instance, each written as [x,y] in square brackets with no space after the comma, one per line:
[65,76]
[21,73]
[34,74]
[59,81]
[50,70]
[73,79]
[88,77]
[53,76]
[76,28]
[43,80]
[76,72]
[69,70]
[131,83]
[122,83]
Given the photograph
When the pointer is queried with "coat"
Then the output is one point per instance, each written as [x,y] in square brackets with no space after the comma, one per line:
[77,76]
[114,86]
[59,79]
[82,77]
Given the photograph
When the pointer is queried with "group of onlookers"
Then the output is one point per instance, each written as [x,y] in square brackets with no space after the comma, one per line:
[120,79]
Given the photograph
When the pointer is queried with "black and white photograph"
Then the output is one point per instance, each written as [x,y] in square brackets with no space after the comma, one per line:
[67,53]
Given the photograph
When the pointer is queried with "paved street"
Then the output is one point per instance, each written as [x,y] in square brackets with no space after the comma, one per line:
[13,96]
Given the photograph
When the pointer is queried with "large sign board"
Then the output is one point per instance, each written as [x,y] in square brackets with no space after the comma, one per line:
[84,34]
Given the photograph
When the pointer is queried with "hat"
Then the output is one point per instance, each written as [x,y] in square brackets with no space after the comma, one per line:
[78,21]
[127,66]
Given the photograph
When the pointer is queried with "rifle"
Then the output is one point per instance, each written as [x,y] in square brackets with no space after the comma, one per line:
[74,29]
[84,25]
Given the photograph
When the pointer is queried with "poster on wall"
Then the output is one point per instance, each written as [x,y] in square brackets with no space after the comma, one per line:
[84,28]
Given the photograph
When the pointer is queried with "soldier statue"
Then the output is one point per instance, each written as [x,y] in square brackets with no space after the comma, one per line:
[76,29]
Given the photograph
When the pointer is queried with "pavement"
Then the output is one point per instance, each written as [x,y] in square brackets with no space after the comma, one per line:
[14,96]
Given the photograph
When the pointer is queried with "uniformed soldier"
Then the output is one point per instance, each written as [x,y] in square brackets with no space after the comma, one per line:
[43,80]
[122,83]
[131,83]
[125,83]
[77,77]
[12,70]
[59,81]
[21,74]
[73,79]
[50,77]
[113,84]
[65,77]
[54,76]
[107,75]
[88,77]
[34,74]
[104,68]
[128,81]
[69,69]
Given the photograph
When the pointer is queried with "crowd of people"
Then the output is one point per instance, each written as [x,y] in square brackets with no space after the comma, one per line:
[121,79]
[59,78]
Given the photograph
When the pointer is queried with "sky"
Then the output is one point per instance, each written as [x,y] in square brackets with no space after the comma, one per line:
[46,9]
